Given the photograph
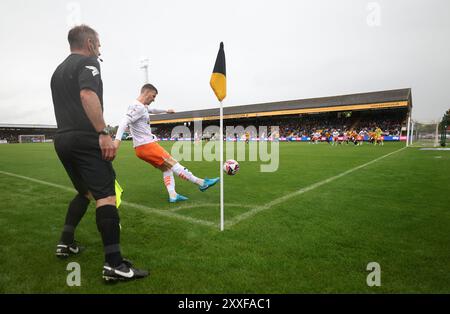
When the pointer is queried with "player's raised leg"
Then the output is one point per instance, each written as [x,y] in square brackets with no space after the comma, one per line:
[185,174]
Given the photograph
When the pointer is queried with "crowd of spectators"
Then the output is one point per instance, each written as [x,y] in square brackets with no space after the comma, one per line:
[9,137]
[390,123]
[13,136]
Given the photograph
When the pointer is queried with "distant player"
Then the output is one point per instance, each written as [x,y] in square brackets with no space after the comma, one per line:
[315,137]
[328,136]
[379,136]
[347,135]
[147,148]
[371,137]
[197,138]
[335,137]
[360,137]
[276,136]
[247,137]
[340,136]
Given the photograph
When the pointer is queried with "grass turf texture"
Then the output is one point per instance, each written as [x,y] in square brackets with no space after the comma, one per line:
[394,212]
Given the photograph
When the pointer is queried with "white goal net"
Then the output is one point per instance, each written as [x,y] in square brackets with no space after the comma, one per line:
[425,134]
[31,138]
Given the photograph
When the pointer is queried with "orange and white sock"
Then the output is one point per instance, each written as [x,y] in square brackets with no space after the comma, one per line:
[169,182]
[185,174]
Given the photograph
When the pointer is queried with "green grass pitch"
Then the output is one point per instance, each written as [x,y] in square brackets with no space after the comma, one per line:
[394,211]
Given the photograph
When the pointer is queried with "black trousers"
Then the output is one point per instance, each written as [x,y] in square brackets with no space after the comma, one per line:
[81,156]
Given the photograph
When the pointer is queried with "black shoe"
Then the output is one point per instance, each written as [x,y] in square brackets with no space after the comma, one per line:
[124,271]
[64,250]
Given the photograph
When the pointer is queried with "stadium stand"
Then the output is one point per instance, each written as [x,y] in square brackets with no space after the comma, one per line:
[387,110]
[12,132]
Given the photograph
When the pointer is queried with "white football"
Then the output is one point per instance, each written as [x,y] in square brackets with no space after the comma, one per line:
[231,167]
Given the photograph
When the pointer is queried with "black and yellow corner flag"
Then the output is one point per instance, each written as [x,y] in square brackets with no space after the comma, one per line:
[218,80]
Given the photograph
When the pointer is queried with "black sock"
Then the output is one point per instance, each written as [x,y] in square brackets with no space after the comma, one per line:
[77,209]
[108,224]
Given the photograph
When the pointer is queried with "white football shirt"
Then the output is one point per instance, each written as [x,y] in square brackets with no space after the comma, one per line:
[138,120]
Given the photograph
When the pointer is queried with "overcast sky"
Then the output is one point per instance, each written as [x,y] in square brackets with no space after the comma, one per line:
[275,50]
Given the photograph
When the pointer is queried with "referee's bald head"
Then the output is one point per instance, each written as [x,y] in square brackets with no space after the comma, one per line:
[79,34]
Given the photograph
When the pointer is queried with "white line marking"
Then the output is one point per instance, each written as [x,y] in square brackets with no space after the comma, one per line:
[286,197]
[196,205]
[62,187]
[171,213]
[436,149]
[143,208]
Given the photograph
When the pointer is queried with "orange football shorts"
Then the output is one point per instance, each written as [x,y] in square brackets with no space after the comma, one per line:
[152,153]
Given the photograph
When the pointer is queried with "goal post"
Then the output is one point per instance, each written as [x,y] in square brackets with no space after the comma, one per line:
[426,134]
[34,138]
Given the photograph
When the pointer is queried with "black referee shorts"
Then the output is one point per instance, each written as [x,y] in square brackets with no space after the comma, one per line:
[81,156]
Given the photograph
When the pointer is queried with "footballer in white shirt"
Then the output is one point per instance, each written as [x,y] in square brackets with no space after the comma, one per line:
[146,146]
[335,137]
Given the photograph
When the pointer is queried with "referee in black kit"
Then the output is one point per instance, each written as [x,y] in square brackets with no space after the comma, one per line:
[86,150]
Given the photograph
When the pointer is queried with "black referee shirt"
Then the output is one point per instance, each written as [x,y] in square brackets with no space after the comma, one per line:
[77,72]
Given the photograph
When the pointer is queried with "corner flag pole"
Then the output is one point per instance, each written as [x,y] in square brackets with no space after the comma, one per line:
[222,218]
[218,83]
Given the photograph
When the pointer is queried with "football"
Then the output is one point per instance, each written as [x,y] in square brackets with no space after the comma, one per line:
[231,167]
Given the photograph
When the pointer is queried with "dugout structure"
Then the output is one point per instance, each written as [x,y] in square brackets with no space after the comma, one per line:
[351,111]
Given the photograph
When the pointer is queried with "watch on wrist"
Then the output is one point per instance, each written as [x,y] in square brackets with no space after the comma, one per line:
[103,132]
